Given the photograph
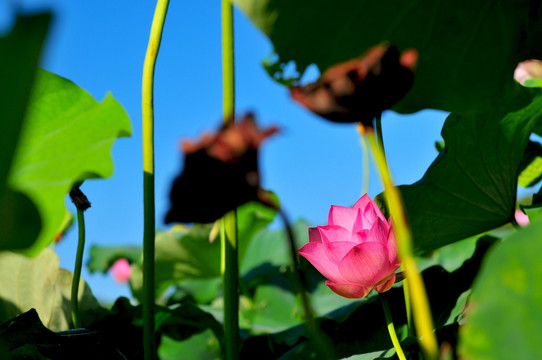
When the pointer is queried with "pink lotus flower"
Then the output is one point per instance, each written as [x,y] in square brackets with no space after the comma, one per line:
[356,251]
[121,271]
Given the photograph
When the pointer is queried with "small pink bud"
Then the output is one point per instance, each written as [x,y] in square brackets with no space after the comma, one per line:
[529,73]
[121,271]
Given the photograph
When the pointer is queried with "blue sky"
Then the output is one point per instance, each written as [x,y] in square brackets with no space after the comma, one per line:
[311,164]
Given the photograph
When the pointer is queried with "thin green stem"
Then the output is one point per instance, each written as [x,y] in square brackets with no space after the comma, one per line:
[149,216]
[406,291]
[228,236]
[320,342]
[420,304]
[229,223]
[77,269]
[391,327]
[228,60]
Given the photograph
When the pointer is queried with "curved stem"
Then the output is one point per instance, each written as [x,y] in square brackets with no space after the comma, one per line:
[77,269]
[155,38]
[320,342]
[391,327]
[228,229]
[417,294]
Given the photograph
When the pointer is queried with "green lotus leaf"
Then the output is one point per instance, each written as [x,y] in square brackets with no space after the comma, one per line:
[66,138]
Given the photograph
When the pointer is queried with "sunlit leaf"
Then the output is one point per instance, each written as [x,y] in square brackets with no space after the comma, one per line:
[66,138]
[40,283]
[531,166]
[507,293]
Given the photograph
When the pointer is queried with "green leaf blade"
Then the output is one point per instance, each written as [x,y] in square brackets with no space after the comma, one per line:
[471,186]
[508,288]
[67,138]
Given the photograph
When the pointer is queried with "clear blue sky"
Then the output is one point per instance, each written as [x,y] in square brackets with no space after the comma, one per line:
[312,164]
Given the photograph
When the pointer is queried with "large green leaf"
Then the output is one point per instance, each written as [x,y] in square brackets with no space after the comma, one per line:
[20,51]
[507,293]
[199,347]
[66,138]
[468,49]
[186,253]
[39,283]
[272,247]
[471,186]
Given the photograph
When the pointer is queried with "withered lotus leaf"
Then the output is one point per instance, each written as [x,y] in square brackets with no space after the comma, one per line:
[220,172]
[359,89]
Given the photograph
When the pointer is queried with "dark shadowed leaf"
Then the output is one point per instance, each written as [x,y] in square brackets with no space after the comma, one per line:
[468,49]
[27,338]
[471,186]
[123,325]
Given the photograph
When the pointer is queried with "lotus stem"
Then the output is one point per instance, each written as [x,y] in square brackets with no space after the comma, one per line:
[149,216]
[416,290]
[228,228]
[391,327]
[77,269]
[380,139]
[319,341]
[81,203]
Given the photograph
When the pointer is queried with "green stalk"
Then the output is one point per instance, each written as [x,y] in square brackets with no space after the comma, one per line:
[81,203]
[77,269]
[157,26]
[321,343]
[420,304]
[228,229]
[228,66]
[228,237]
[391,327]
[406,291]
